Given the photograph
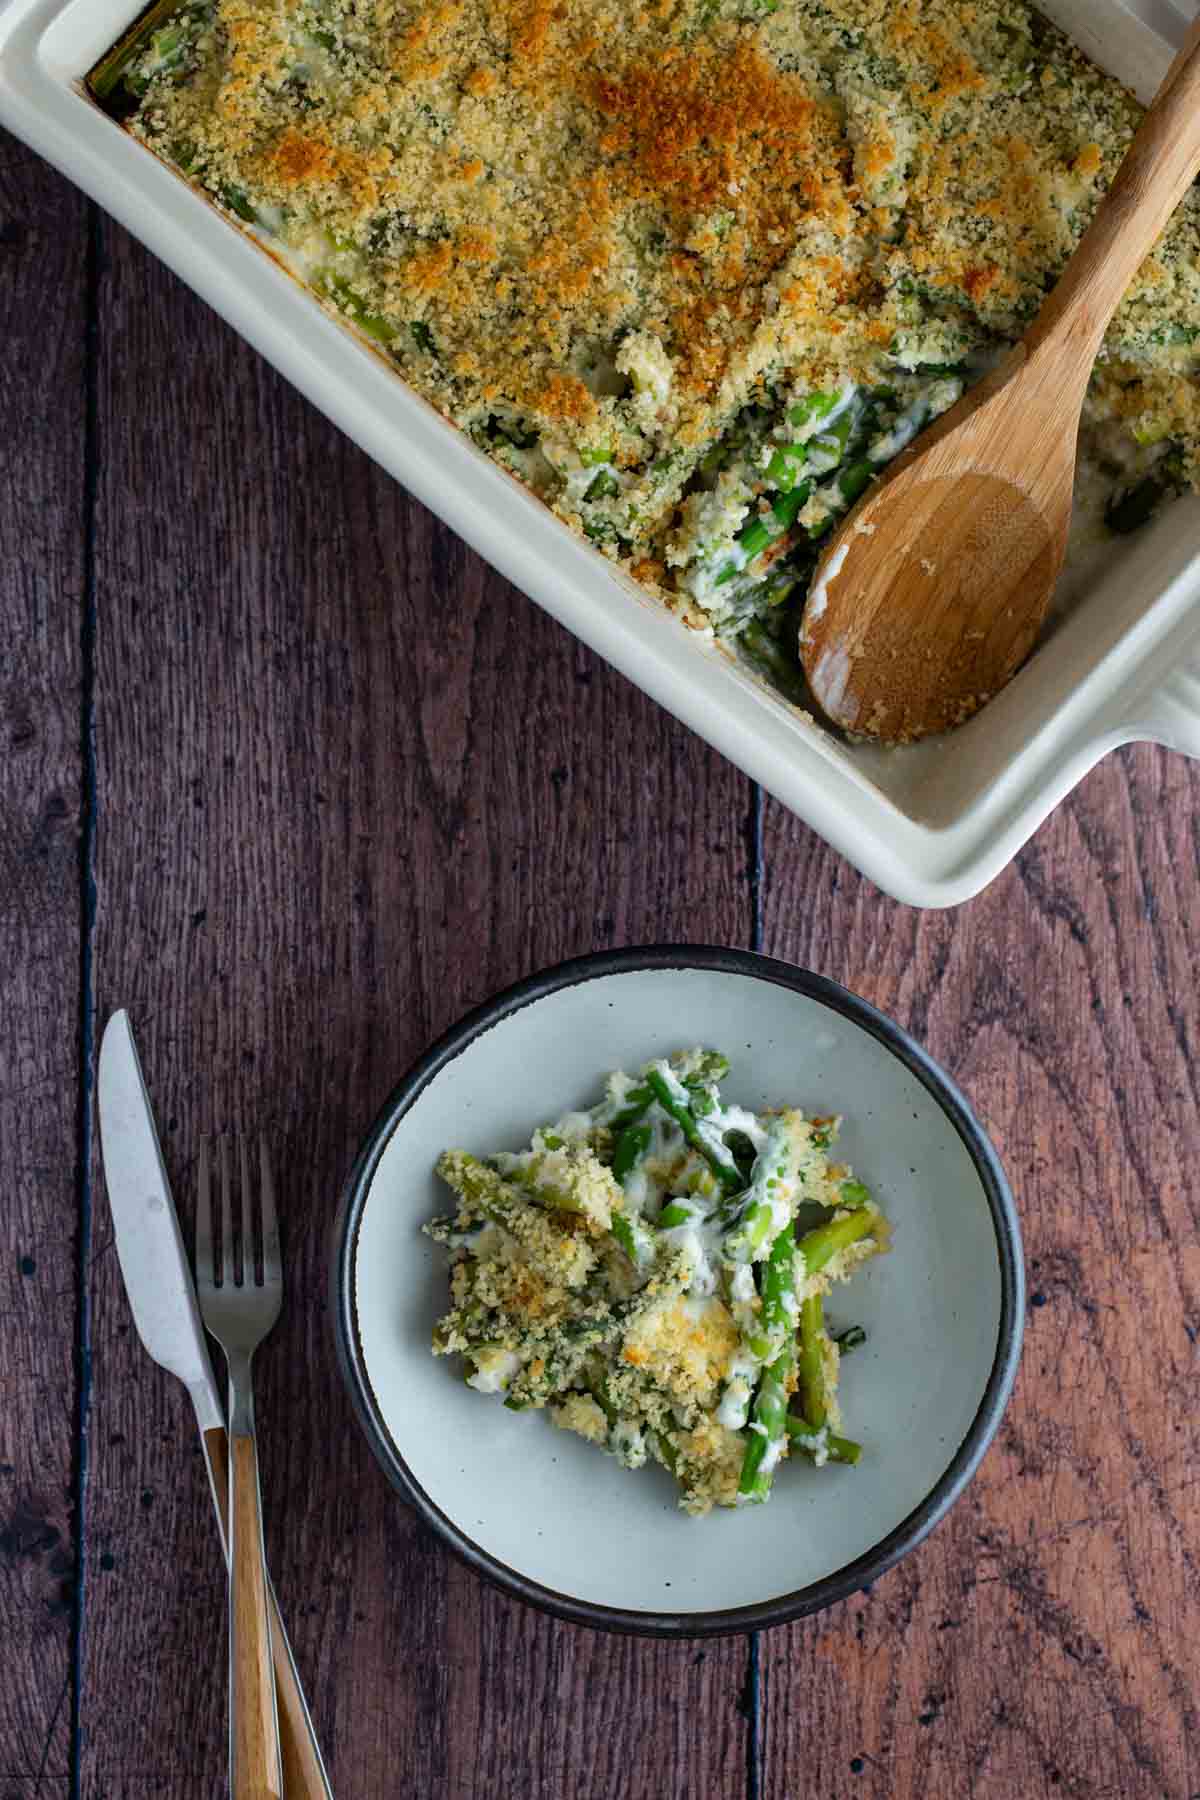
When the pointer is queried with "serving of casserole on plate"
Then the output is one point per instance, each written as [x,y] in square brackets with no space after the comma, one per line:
[536,1316]
[691,274]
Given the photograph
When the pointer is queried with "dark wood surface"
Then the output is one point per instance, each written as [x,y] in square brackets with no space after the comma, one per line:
[293,776]
[43,325]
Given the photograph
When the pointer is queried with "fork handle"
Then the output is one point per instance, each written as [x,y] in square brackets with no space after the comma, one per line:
[304,1776]
[254,1761]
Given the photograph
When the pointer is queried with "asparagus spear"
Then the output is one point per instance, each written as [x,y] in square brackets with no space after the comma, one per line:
[823,454]
[675,1101]
[821,1245]
[810,1363]
[768,1426]
[110,72]
[349,301]
[853,1193]
[817,405]
[630,1148]
[840,494]
[627,1228]
[637,1100]
[633,1238]
[837,1449]
[820,454]
[757,1217]
[810,1431]
[777,1316]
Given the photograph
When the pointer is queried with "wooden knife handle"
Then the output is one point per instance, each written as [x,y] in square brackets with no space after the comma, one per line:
[304,1775]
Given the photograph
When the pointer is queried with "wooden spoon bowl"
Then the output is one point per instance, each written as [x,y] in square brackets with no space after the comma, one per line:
[934,590]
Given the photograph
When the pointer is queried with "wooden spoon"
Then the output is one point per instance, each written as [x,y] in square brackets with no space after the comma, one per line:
[934,590]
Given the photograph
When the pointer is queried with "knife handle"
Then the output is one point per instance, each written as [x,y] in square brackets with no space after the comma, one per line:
[304,1775]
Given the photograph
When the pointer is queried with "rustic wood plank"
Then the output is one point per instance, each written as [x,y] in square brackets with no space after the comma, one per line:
[1042,1642]
[42,320]
[352,784]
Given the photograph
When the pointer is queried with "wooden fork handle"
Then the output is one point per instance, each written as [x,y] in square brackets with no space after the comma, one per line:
[304,1776]
[256,1771]
[1159,167]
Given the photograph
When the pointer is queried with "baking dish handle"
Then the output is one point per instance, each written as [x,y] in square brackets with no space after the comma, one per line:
[1170,713]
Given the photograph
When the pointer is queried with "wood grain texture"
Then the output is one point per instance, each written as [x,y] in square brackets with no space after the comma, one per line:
[352,784]
[1042,1642]
[42,291]
[303,1771]
[256,1770]
[348,783]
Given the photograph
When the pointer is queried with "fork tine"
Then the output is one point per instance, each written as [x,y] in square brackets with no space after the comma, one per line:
[272,1260]
[205,1266]
[249,1219]
[228,1264]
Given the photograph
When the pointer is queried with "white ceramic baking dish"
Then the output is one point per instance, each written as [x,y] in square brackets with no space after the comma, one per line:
[931,824]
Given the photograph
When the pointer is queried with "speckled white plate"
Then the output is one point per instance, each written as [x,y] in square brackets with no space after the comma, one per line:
[549,1517]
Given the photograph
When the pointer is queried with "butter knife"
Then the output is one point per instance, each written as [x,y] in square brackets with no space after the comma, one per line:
[162,1298]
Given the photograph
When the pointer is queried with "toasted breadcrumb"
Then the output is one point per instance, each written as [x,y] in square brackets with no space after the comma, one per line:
[592,232]
[650,1315]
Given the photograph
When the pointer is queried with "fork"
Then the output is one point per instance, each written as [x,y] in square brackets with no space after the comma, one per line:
[239,1308]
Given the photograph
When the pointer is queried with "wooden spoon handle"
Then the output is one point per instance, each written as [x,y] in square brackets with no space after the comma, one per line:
[1159,167]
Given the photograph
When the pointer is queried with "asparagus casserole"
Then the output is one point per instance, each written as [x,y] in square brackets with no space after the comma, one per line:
[693,271]
[653,1273]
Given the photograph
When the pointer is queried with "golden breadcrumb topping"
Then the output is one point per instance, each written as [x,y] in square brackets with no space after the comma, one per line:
[594,232]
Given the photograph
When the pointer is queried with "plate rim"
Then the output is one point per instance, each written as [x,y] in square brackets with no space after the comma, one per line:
[916,1525]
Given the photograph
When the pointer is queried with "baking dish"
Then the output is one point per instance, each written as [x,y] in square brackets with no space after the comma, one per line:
[930,824]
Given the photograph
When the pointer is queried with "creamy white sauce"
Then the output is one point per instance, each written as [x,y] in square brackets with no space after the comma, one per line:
[769,1187]
[734,1407]
[818,600]
[741,1284]
[628,1444]
[830,677]
[496,1371]
[637,1188]
[573,1126]
[736,1118]
[576,482]
[817,1445]
[774,1450]
[700,1241]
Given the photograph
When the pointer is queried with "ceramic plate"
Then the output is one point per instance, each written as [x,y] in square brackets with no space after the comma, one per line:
[551,1518]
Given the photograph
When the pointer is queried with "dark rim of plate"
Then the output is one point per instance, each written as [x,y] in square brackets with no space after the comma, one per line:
[911,1530]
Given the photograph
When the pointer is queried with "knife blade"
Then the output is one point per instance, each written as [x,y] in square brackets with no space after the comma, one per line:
[162,1298]
[158,1280]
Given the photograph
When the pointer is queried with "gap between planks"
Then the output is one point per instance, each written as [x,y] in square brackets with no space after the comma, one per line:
[86,1013]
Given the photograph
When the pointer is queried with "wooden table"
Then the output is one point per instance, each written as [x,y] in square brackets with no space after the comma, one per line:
[293,776]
